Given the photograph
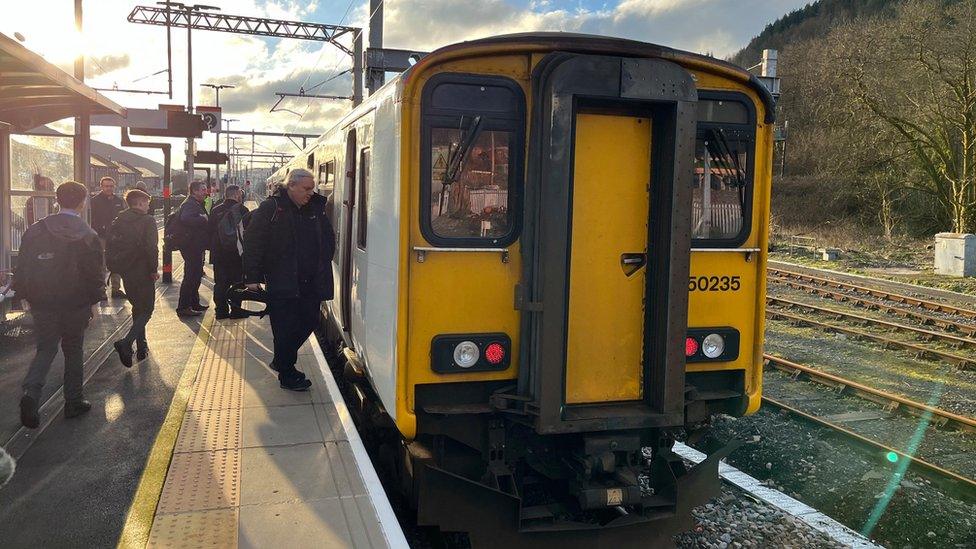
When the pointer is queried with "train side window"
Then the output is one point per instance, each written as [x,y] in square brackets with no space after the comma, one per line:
[473,137]
[723,178]
[364,156]
[327,178]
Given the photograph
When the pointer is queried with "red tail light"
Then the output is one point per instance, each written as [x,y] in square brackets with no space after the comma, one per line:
[495,353]
[691,346]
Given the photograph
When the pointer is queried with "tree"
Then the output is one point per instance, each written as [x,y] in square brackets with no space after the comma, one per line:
[916,75]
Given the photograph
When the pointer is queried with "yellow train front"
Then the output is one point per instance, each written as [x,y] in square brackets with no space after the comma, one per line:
[551,263]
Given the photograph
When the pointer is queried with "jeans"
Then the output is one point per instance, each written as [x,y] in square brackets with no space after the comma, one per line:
[114,279]
[292,321]
[227,272]
[192,275]
[141,293]
[52,327]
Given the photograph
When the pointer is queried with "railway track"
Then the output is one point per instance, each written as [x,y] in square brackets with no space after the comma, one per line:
[875,292]
[920,351]
[872,304]
[891,403]
[842,315]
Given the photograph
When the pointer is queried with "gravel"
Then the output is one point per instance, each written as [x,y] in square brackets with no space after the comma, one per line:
[733,520]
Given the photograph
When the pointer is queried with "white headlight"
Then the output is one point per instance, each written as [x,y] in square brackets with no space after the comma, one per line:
[713,345]
[466,354]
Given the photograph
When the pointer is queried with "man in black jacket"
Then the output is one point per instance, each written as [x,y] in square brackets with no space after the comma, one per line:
[60,274]
[225,250]
[104,207]
[196,238]
[135,239]
[288,245]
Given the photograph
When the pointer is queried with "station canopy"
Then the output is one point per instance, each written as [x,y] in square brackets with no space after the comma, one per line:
[34,92]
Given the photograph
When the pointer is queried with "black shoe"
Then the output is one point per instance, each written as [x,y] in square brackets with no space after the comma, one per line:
[238,314]
[125,352]
[188,312]
[199,307]
[294,372]
[75,408]
[222,316]
[28,412]
[118,294]
[293,382]
[142,351]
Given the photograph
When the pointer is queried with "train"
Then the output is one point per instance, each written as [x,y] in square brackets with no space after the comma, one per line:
[550,267]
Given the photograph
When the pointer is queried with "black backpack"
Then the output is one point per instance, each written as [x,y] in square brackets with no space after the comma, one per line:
[227,229]
[47,270]
[122,248]
[174,235]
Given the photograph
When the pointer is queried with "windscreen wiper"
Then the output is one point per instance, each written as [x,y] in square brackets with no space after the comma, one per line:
[456,162]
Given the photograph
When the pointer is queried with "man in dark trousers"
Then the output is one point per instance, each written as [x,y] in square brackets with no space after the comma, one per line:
[226,219]
[60,274]
[194,222]
[104,207]
[133,252]
[288,245]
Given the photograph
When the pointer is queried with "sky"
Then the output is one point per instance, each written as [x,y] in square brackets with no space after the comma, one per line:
[127,55]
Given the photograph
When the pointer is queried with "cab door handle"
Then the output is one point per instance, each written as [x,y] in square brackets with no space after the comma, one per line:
[632,262]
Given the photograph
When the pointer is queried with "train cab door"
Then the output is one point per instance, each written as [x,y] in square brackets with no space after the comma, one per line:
[346,237]
[607,242]
[607,274]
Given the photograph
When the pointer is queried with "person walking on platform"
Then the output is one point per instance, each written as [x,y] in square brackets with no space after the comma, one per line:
[288,245]
[225,250]
[104,207]
[194,224]
[60,274]
[133,252]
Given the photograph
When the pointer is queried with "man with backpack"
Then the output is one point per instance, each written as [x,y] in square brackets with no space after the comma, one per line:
[133,253]
[59,273]
[194,237]
[104,207]
[288,245]
[226,230]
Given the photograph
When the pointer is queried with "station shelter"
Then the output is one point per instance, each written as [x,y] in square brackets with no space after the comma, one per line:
[33,93]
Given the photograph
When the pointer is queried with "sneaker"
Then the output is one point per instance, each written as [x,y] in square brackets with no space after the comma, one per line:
[125,352]
[188,312]
[142,351]
[28,412]
[199,307]
[75,408]
[293,382]
[118,294]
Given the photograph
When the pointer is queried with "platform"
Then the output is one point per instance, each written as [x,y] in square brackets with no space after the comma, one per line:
[240,462]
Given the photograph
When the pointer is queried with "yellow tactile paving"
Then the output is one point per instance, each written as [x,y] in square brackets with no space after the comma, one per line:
[209,430]
[204,529]
[220,385]
[199,481]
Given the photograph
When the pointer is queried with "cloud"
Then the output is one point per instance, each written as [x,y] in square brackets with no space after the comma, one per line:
[127,54]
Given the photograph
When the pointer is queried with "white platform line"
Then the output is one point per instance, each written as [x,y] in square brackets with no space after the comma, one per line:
[817,520]
[389,524]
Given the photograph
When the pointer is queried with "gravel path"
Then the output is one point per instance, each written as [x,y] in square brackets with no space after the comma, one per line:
[734,520]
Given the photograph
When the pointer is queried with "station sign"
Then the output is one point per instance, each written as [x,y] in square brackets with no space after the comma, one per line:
[210,157]
[211,117]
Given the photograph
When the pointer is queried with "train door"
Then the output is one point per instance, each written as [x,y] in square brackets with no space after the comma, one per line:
[611,181]
[346,235]
[359,266]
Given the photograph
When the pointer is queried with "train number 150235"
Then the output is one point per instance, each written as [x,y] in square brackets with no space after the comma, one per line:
[714,284]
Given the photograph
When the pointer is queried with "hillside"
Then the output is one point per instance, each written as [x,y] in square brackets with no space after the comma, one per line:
[810,21]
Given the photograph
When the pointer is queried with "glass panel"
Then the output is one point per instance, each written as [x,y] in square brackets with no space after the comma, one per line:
[475,203]
[718,199]
[34,158]
[363,196]
[722,112]
[487,99]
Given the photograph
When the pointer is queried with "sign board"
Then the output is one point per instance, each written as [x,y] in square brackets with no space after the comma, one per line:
[210,157]
[178,124]
[134,118]
[211,117]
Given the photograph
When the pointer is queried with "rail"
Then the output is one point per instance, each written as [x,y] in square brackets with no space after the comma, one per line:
[858,318]
[944,323]
[917,464]
[883,294]
[965,363]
